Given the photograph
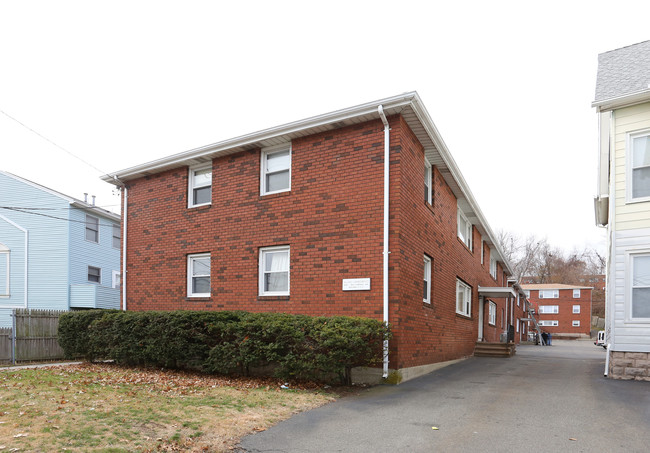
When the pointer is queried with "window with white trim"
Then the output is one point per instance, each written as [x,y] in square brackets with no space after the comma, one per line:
[117,235]
[549,293]
[463,298]
[198,275]
[548,323]
[575,323]
[492,313]
[116,279]
[549,309]
[426,296]
[94,274]
[576,294]
[527,293]
[482,251]
[4,271]
[576,309]
[427,181]
[92,228]
[276,169]
[493,264]
[638,166]
[640,290]
[200,186]
[464,229]
[274,271]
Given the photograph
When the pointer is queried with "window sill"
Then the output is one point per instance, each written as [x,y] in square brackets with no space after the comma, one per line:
[460,315]
[200,207]
[271,196]
[273,297]
[464,245]
[198,299]
[427,305]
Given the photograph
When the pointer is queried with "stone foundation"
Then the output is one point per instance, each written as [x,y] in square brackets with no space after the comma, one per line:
[629,365]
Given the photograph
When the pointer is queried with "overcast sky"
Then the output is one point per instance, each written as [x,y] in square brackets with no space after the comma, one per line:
[508,84]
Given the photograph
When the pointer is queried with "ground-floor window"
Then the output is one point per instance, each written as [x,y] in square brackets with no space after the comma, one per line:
[198,275]
[463,298]
[575,323]
[492,314]
[274,271]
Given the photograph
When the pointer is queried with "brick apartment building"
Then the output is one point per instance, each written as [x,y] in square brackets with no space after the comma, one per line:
[561,310]
[296,219]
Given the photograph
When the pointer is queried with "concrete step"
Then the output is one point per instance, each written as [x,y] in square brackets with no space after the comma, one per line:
[485,349]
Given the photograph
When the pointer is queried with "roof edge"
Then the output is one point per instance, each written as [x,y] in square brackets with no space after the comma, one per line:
[637,97]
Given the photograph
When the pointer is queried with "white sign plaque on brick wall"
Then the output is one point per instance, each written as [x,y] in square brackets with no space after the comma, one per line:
[356,284]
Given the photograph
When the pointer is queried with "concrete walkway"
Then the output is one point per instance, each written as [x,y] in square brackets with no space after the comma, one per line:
[546,398]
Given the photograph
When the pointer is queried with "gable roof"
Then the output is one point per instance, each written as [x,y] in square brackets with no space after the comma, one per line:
[623,76]
[72,201]
[409,105]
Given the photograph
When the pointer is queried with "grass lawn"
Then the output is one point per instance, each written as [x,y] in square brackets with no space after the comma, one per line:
[107,408]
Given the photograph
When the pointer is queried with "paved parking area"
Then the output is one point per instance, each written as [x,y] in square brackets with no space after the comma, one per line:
[546,398]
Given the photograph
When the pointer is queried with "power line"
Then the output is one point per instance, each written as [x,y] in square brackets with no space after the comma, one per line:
[50,141]
[8,208]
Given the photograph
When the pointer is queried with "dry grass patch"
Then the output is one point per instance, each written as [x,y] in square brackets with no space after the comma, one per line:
[108,408]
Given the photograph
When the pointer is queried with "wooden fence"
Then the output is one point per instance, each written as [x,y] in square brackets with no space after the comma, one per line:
[36,337]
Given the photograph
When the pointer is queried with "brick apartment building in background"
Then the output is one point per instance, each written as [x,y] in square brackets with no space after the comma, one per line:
[312,218]
[564,311]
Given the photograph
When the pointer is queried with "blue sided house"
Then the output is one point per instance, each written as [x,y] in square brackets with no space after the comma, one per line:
[56,252]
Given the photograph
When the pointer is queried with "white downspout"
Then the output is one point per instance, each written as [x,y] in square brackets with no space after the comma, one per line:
[380,110]
[123,279]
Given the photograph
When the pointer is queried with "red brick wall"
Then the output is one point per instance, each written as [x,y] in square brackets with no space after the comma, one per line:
[565,314]
[332,218]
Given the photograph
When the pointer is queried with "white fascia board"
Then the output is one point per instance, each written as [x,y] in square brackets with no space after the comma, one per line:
[96,210]
[622,101]
[496,291]
[446,156]
[296,126]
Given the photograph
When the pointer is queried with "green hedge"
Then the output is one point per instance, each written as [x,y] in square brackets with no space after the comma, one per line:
[228,342]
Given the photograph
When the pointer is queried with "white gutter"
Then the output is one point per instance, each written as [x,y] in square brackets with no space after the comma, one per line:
[386,251]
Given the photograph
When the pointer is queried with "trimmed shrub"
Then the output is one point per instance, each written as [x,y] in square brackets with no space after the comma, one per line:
[227,342]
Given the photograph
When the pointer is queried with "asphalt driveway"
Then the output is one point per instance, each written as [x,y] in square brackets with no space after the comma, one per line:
[546,398]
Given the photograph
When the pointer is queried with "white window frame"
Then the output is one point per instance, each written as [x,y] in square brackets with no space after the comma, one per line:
[576,309]
[549,309]
[428,180]
[468,229]
[427,280]
[99,282]
[95,221]
[118,229]
[4,286]
[575,323]
[263,272]
[190,274]
[493,264]
[465,291]
[549,294]
[263,167]
[549,323]
[629,156]
[527,293]
[191,185]
[576,294]
[492,314]
[629,301]
[482,251]
[115,280]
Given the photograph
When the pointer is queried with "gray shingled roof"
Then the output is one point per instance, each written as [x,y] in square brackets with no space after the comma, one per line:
[623,71]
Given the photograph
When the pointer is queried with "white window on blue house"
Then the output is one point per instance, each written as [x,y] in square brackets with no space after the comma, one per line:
[198,275]
[200,186]
[638,166]
[274,271]
[639,303]
[92,228]
[4,271]
[117,236]
[94,274]
[276,169]
[116,279]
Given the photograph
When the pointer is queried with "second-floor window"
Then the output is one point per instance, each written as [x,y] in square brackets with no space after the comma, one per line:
[426,295]
[493,265]
[638,183]
[276,169]
[464,229]
[92,228]
[549,293]
[117,236]
[200,186]
[427,181]
[576,294]
[549,309]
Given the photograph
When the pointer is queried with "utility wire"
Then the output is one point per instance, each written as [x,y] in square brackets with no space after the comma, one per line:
[50,216]
[50,141]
